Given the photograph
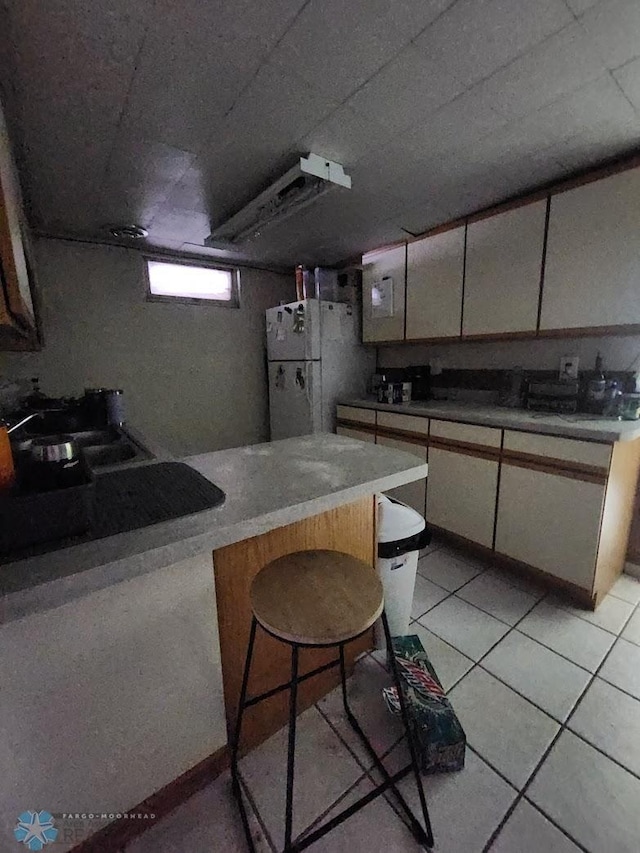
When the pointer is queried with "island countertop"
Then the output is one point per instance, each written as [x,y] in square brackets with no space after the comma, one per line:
[267,486]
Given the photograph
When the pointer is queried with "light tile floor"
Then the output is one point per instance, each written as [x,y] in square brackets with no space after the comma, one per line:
[549,696]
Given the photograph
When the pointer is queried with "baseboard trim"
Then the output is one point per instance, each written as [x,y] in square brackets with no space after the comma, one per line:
[113,837]
[632,567]
[578,594]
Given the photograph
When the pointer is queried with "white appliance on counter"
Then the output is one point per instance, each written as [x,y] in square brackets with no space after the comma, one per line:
[315,358]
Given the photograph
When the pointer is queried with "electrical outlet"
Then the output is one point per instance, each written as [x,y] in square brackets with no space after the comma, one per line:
[569,367]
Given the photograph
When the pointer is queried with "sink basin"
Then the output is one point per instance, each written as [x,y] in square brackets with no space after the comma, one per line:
[103,448]
[109,454]
[95,437]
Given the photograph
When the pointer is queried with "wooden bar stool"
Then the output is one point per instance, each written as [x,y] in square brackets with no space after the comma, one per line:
[311,599]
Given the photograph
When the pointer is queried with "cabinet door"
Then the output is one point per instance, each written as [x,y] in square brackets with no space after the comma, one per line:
[413,494]
[383,319]
[435,268]
[461,494]
[550,522]
[17,319]
[356,433]
[592,270]
[502,271]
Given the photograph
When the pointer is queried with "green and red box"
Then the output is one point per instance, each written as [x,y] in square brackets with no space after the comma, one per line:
[440,738]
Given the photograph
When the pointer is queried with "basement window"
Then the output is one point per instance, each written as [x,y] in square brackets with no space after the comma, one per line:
[177,281]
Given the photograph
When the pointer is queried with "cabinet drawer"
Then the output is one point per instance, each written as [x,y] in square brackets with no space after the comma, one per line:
[556,528]
[466,433]
[413,494]
[356,433]
[355,415]
[406,423]
[565,449]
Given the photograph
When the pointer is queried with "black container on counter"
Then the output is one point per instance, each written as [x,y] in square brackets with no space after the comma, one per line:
[30,518]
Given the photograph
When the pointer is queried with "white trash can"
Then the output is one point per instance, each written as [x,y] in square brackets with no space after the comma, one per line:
[402,533]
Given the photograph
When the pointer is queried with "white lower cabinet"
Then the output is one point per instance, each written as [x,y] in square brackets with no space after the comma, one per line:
[551,522]
[461,494]
[360,434]
[413,494]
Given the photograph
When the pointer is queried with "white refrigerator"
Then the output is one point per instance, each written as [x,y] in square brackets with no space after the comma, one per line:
[315,358]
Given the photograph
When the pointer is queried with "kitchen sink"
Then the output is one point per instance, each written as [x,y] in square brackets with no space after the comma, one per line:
[109,454]
[103,448]
[96,437]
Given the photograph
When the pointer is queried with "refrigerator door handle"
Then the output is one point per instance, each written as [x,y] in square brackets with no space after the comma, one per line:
[300,378]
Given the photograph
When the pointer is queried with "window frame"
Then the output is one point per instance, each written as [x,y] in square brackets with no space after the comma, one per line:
[234,302]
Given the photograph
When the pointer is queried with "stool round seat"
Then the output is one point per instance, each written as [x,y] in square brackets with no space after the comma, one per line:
[317,598]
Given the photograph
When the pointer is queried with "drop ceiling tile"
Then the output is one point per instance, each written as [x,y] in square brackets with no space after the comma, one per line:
[187,78]
[140,176]
[180,225]
[628,78]
[614,31]
[411,87]
[578,7]
[276,108]
[345,136]
[598,102]
[456,126]
[599,143]
[561,64]
[265,21]
[476,37]
[337,46]
[113,30]
[421,218]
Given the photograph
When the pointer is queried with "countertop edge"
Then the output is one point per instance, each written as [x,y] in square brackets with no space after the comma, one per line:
[55,593]
[563,429]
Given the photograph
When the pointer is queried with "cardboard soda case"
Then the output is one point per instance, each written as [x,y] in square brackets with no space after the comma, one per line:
[438,735]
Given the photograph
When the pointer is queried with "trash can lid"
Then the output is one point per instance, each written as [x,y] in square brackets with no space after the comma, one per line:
[397,521]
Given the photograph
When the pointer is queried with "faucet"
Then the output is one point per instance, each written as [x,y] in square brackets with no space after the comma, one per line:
[24,421]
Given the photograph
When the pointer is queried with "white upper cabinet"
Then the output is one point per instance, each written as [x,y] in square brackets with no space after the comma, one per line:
[435,267]
[592,271]
[383,294]
[502,273]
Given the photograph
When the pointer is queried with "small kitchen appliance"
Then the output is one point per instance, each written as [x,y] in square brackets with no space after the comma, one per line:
[553,396]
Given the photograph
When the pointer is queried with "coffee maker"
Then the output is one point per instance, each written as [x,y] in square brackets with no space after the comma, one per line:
[420,378]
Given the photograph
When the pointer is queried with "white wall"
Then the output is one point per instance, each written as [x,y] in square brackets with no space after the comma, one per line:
[109,698]
[619,353]
[193,376]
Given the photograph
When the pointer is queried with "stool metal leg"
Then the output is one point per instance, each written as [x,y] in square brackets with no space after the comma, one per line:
[423,837]
[291,755]
[405,719]
[235,778]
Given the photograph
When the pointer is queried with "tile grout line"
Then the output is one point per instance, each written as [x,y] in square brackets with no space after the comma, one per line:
[254,808]
[520,793]
[545,755]
[563,725]
[533,639]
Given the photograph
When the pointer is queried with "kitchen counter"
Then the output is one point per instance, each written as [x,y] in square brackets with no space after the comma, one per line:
[267,486]
[580,426]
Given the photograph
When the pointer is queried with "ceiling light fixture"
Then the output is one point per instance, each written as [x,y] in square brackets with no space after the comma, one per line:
[311,178]
[128,232]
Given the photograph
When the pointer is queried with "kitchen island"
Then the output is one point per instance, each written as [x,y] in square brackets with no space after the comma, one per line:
[113,653]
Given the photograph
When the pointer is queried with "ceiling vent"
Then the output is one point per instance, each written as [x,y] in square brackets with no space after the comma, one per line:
[311,178]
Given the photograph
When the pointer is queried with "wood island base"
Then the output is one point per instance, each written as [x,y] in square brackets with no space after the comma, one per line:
[351,529]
